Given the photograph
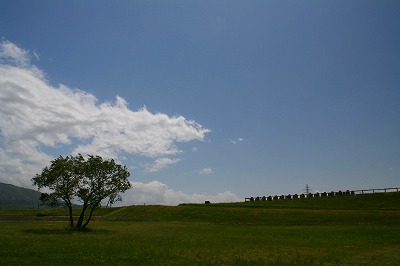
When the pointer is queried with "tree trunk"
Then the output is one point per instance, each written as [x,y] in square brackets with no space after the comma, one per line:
[68,203]
[80,220]
[71,218]
[90,216]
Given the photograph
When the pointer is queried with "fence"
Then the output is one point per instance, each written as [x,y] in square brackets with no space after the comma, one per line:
[377,190]
[324,194]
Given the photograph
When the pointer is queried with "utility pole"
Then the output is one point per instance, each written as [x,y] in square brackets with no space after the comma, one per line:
[307,189]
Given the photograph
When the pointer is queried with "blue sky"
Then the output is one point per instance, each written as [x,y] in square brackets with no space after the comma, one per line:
[282,93]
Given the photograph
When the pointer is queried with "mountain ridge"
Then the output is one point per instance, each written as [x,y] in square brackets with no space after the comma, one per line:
[14,197]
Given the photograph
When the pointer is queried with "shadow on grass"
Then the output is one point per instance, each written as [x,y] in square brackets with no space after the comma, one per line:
[66,231]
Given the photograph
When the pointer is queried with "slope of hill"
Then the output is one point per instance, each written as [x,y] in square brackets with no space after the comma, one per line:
[369,209]
[354,210]
[372,201]
[13,197]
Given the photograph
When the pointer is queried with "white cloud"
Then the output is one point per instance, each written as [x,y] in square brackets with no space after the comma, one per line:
[12,54]
[206,171]
[160,163]
[158,193]
[236,141]
[35,115]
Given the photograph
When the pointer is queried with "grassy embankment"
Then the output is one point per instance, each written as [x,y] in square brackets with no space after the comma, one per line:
[352,230]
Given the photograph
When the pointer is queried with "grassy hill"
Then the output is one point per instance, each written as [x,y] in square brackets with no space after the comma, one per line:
[13,197]
[348,230]
[360,209]
[377,201]
[379,208]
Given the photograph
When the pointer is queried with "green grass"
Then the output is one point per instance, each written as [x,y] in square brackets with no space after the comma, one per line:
[154,243]
[377,201]
[307,232]
[254,216]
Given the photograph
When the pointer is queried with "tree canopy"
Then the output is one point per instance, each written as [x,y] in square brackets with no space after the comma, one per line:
[89,180]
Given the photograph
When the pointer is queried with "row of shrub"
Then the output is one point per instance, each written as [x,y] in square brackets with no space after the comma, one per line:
[301,196]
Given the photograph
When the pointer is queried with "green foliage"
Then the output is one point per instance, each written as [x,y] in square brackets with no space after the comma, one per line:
[50,199]
[90,180]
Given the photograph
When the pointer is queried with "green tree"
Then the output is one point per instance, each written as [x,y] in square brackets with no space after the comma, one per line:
[90,180]
[63,179]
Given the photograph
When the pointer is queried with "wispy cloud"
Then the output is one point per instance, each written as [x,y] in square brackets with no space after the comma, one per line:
[13,55]
[206,171]
[236,141]
[160,163]
[35,115]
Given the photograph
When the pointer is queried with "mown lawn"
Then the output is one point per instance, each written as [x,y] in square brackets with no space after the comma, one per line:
[175,243]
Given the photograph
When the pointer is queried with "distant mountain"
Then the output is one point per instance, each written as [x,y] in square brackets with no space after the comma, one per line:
[13,197]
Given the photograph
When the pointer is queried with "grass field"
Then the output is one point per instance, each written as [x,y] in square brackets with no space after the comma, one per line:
[259,233]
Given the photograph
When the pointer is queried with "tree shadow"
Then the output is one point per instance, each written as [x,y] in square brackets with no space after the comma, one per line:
[66,231]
